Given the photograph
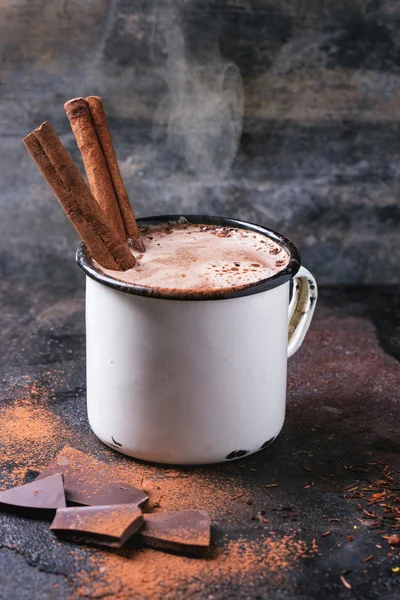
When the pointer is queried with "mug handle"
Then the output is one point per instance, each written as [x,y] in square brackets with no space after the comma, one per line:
[301,308]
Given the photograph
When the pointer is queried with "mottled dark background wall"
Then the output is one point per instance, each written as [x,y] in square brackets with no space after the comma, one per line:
[319,157]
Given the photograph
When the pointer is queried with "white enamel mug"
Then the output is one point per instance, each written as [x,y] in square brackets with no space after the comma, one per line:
[193,379]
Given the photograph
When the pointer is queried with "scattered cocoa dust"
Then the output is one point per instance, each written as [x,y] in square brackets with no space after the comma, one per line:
[28,434]
[146,573]
[168,489]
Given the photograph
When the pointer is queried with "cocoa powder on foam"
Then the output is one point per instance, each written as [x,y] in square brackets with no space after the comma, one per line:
[203,258]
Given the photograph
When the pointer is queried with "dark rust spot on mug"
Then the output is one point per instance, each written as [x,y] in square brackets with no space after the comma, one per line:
[237,454]
[267,443]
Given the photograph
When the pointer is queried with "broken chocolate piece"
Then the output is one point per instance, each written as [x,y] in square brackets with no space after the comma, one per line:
[101,525]
[38,498]
[183,532]
[91,482]
[113,493]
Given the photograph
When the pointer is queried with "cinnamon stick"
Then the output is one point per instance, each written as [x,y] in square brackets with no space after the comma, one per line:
[96,168]
[67,183]
[100,125]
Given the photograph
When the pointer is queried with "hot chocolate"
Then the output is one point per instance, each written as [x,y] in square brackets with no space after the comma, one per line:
[186,257]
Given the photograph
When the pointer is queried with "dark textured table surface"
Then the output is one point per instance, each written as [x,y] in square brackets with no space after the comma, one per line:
[342,427]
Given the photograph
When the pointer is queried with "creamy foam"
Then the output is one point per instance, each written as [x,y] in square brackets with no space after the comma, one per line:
[202,258]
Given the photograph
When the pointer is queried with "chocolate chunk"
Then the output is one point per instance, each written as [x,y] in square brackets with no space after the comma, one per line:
[101,525]
[39,498]
[183,532]
[90,482]
[87,494]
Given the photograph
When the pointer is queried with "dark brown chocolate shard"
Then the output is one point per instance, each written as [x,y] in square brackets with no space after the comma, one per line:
[91,482]
[101,525]
[184,532]
[39,498]
[113,493]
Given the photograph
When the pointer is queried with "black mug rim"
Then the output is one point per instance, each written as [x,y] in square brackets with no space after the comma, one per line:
[249,289]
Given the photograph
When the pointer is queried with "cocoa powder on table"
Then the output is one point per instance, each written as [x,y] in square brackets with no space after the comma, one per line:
[168,488]
[29,437]
[148,574]
[29,432]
